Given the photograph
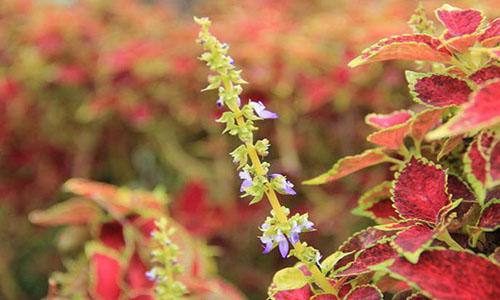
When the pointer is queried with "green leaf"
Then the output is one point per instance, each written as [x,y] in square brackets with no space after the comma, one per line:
[289,279]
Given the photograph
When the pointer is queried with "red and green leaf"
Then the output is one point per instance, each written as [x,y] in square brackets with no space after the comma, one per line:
[411,242]
[348,165]
[419,191]
[367,259]
[449,145]
[448,274]
[392,137]
[475,167]
[495,164]
[482,110]
[490,216]
[491,36]
[437,90]
[405,47]
[381,121]
[424,122]
[364,292]
[485,74]
[360,241]
[76,211]
[105,274]
[377,204]
[459,21]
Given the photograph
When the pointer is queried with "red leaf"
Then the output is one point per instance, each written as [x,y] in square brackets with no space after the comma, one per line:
[490,216]
[459,21]
[475,168]
[364,292]
[117,201]
[369,258]
[381,121]
[424,122]
[447,274]
[136,280]
[437,90]
[491,35]
[324,297]
[412,241]
[485,74]
[449,145]
[298,294]
[407,47]
[105,278]
[76,211]
[392,137]
[376,204]
[111,235]
[360,241]
[495,163]
[348,165]
[420,191]
[481,111]
[383,210]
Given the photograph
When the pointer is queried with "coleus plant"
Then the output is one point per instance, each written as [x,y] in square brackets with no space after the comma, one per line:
[437,218]
[132,248]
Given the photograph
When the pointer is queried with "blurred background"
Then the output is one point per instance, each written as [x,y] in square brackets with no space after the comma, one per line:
[110,91]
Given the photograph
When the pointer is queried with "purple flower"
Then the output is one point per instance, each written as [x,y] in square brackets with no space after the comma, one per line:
[150,275]
[286,186]
[268,244]
[282,244]
[219,103]
[294,233]
[247,180]
[261,111]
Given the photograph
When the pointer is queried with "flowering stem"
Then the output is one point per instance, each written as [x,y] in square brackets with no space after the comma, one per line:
[318,276]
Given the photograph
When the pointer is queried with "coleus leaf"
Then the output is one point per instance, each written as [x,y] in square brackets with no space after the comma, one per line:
[459,190]
[449,145]
[377,204]
[105,272]
[439,275]
[348,165]
[491,35]
[485,74]
[324,297]
[75,211]
[364,292]
[406,47]
[490,216]
[368,258]
[289,279]
[392,137]
[361,240]
[437,90]
[459,21]
[419,191]
[424,121]
[475,167]
[482,110]
[381,121]
[411,242]
[495,164]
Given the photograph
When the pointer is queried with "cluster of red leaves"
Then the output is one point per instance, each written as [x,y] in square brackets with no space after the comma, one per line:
[117,255]
[439,215]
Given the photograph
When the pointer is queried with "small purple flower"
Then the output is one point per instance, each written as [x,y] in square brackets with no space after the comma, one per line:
[150,275]
[219,103]
[282,244]
[231,61]
[261,111]
[268,244]
[247,180]
[294,233]
[286,186]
